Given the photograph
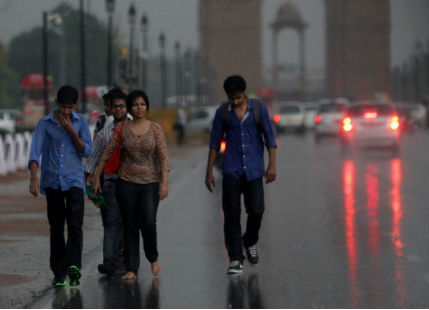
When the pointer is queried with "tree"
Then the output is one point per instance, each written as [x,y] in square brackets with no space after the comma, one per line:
[8,82]
[25,50]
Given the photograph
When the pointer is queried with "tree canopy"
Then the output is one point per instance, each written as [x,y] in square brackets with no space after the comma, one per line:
[8,82]
[25,50]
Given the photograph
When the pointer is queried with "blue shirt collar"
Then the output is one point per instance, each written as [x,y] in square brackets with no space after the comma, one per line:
[250,105]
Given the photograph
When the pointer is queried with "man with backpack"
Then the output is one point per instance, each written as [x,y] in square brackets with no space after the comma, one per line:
[245,126]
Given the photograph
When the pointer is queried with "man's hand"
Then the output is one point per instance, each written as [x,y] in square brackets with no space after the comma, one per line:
[210,181]
[96,188]
[65,123]
[34,187]
[270,175]
[89,178]
[163,191]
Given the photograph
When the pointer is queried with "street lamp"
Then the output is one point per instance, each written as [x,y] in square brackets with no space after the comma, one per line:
[163,70]
[144,27]
[131,21]
[57,21]
[178,72]
[187,75]
[82,57]
[110,7]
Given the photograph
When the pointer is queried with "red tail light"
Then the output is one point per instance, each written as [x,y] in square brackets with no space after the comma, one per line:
[347,124]
[370,114]
[394,124]
[276,118]
[222,146]
[317,118]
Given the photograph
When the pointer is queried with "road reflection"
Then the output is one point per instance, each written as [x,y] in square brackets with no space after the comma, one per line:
[355,234]
[350,229]
[241,295]
[396,237]
[72,300]
[121,294]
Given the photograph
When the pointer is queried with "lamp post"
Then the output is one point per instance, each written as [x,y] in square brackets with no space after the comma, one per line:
[163,70]
[58,21]
[144,27]
[110,7]
[82,57]
[178,72]
[131,21]
[187,76]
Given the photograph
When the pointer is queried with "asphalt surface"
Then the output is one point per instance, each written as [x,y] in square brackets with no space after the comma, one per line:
[340,230]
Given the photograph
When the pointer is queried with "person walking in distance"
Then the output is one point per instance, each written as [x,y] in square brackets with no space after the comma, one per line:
[110,211]
[244,124]
[61,139]
[143,182]
[105,119]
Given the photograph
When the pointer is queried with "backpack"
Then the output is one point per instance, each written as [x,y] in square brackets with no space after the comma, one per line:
[256,116]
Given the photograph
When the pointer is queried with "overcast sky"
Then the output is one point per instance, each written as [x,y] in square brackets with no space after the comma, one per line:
[179,20]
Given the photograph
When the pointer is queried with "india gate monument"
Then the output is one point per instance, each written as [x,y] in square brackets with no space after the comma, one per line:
[357,48]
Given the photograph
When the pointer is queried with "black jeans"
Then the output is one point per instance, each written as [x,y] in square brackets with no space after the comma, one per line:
[112,223]
[253,192]
[139,204]
[65,206]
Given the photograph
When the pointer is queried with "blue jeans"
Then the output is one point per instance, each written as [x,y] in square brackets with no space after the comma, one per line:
[253,192]
[139,205]
[112,223]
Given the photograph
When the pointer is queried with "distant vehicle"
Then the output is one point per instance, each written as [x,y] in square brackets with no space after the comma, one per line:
[289,115]
[406,119]
[418,112]
[7,123]
[33,103]
[310,112]
[328,118]
[201,119]
[371,124]
[16,116]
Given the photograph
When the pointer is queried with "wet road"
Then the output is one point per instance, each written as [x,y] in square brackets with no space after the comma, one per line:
[339,231]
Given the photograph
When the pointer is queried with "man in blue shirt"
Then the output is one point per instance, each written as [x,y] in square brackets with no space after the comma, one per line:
[62,138]
[243,168]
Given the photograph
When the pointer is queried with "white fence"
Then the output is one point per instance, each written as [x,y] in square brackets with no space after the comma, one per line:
[14,152]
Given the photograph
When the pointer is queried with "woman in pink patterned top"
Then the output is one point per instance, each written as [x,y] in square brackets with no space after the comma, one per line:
[143,181]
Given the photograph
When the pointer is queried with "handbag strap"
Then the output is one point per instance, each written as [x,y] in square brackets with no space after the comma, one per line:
[120,134]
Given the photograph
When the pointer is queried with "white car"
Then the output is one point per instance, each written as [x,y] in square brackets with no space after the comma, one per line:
[201,119]
[371,124]
[328,118]
[289,115]
[310,112]
[7,122]
[418,112]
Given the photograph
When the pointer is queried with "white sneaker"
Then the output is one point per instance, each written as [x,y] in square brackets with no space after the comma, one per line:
[235,267]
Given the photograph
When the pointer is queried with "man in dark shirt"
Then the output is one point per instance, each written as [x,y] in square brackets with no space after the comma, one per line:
[243,168]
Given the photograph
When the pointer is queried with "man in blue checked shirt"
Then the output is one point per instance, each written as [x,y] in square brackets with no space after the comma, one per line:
[62,138]
[243,168]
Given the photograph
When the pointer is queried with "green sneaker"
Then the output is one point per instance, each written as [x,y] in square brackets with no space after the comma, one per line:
[59,281]
[74,275]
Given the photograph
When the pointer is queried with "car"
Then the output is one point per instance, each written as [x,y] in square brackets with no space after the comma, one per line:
[371,124]
[310,112]
[289,115]
[418,112]
[9,119]
[328,118]
[201,119]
